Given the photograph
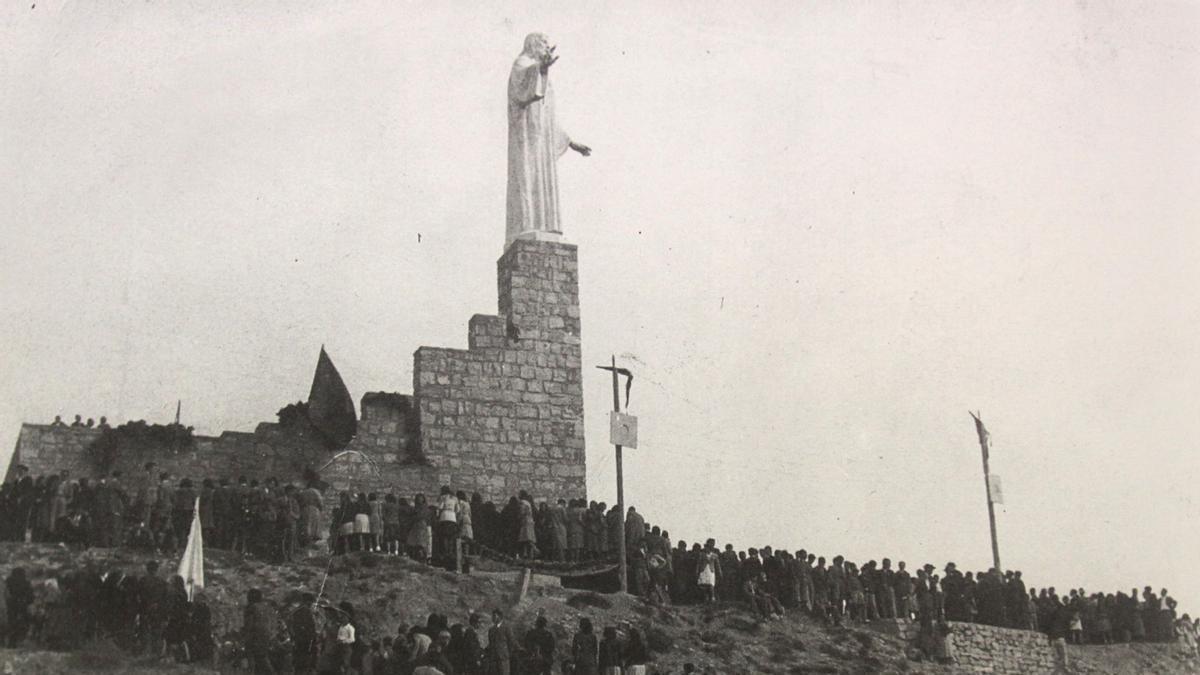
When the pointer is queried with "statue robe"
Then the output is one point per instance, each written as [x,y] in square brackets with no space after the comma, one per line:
[535,142]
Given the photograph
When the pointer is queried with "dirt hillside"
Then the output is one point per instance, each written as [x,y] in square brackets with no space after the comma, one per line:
[388,591]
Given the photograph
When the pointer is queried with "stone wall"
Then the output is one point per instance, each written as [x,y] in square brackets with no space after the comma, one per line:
[49,449]
[384,435]
[987,649]
[506,413]
[503,415]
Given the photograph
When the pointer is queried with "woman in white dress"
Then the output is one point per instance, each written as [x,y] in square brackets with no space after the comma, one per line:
[710,567]
[362,523]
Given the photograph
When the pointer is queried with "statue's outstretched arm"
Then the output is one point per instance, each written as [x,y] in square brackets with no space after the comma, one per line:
[535,99]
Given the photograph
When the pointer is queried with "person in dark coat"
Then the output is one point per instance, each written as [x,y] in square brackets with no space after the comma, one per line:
[200,631]
[177,614]
[246,518]
[258,632]
[729,582]
[289,522]
[611,653]
[18,598]
[152,605]
[470,649]
[510,524]
[107,597]
[302,624]
[163,513]
[225,514]
[614,523]
[502,645]
[207,514]
[585,650]
[62,628]
[539,645]
[400,659]
[636,654]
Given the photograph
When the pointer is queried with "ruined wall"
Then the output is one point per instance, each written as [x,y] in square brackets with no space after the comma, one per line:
[506,413]
[385,435]
[268,451]
[49,449]
[388,456]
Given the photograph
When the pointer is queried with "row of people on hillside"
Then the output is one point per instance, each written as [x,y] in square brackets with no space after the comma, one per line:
[566,531]
[272,521]
[155,510]
[150,615]
[310,638]
[147,614]
[772,582]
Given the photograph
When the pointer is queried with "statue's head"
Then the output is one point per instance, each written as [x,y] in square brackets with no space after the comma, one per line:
[537,46]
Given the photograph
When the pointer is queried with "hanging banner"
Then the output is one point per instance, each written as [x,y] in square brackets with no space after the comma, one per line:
[622,430]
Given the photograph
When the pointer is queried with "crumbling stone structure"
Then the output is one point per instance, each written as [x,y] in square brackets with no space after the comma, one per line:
[503,415]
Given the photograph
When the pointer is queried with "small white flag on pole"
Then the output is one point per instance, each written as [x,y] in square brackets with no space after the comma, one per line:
[191,568]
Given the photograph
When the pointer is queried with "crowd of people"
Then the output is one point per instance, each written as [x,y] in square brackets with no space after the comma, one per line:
[150,615]
[570,531]
[154,510]
[144,614]
[80,423]
[272,521]
[310,638]
[773,582]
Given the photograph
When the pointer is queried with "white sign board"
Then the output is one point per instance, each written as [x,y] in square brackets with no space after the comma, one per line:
[622,429]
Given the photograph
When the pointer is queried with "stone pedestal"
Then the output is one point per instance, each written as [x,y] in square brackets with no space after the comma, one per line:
[506,414]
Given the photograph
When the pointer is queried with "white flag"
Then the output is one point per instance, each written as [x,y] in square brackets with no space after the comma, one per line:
[191,568]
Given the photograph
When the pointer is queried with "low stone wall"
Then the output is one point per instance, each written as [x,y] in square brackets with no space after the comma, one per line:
[1003,651]
[987,649]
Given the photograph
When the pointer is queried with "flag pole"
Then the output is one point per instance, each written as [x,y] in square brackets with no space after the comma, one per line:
[987,486]
[622,570]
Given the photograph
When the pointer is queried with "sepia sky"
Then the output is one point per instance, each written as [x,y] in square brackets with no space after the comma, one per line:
[817,232]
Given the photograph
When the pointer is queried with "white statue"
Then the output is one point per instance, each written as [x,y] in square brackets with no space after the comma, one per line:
[535,142]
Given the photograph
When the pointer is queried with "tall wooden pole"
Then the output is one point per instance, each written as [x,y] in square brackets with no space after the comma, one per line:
[622,569]
[987,486]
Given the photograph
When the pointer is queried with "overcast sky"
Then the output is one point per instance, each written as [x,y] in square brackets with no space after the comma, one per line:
[818,233]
